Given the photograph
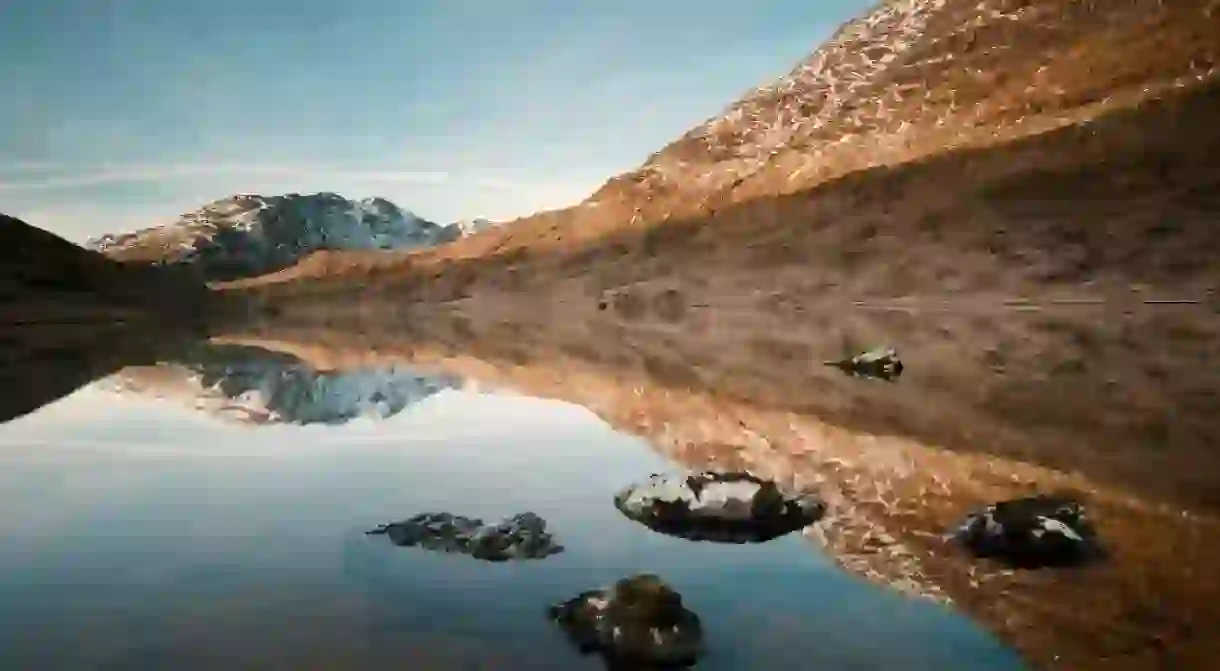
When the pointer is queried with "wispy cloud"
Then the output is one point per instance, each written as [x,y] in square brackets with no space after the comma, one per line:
[98,175]
[9,166]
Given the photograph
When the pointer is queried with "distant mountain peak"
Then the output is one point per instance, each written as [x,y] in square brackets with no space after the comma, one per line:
[250,234]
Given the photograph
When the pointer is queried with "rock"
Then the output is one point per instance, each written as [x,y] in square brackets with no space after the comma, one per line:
[521,536]
[723,507]
[1031,532]
[881,363]
[639,622]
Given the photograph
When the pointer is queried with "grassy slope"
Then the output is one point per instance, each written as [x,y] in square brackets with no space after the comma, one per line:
[995,159]
[46,279]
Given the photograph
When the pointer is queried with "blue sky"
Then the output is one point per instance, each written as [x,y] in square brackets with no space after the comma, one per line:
[120,114]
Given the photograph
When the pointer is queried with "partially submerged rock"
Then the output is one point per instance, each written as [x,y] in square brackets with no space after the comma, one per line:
[1031,532]
[724,507]
[639,622]
[521,536]
[881,363]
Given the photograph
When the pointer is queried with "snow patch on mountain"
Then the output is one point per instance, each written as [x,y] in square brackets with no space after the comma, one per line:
[249,234]
[472,226]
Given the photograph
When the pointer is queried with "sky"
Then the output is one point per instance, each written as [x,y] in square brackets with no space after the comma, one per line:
[122,114]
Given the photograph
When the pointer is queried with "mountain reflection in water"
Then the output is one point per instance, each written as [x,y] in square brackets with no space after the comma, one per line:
[257,385]
[156,536]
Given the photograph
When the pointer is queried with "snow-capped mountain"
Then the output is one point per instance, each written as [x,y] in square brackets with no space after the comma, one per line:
[255,386]
[248,234]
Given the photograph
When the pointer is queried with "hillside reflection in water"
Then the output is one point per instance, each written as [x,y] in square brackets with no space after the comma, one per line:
[211,515]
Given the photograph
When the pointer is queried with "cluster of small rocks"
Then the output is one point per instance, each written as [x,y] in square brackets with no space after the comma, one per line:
[641,622]
[522,536]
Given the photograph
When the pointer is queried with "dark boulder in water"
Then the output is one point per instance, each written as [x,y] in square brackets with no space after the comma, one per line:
[521,536]
[638,623]
[720,507]
[1031,532]
[881,363]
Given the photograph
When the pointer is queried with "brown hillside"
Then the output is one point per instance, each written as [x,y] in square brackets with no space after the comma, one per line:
[1127,199]
[69,315]
[45,279]
[917,77]
[1073,135]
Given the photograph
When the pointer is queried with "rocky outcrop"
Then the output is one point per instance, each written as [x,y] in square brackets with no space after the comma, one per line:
[721,507]
[248,235]
[1031,532]
[522,536]
[881,363]
[637,623]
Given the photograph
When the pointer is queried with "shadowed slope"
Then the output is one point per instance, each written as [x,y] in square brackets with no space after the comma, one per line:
[45,279]
[69,315]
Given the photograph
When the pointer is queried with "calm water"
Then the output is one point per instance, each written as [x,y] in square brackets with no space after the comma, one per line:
[141,533]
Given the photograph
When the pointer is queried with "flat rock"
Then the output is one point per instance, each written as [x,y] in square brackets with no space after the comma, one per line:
[521,536]
[722,507]
[637,623]
[1031,532]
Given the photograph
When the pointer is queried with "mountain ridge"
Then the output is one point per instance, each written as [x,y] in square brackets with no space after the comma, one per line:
[249,234]
[976,82]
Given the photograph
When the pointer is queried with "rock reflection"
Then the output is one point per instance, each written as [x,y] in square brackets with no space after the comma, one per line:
[1032,532]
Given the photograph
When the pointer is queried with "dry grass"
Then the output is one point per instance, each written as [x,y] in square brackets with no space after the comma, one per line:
[1048,141]
[1108,202]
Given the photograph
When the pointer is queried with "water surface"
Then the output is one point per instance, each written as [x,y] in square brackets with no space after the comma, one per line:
[141,532]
